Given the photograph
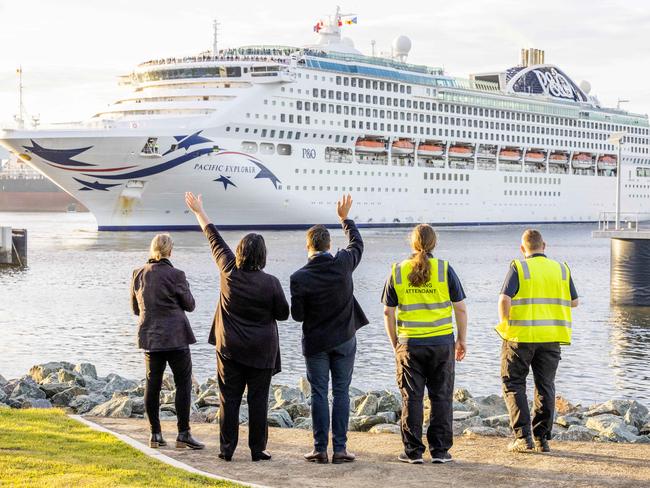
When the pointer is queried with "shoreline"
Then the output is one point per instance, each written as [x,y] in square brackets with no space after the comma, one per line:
[79,390]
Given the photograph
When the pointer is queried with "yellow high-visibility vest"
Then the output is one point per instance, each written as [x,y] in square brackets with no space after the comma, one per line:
[422,311]
[541,309]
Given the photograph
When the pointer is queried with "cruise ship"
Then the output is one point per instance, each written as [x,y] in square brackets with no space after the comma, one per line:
[273,135]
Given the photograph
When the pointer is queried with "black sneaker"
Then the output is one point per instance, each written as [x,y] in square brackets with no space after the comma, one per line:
[541,445]
[522,444]
[405,459]
[441,457]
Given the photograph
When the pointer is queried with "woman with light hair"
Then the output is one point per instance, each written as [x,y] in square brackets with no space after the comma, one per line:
[160,296]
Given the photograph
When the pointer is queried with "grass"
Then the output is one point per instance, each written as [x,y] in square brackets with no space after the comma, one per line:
[45,448]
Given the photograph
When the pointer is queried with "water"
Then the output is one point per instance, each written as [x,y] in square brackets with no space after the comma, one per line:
[72,303]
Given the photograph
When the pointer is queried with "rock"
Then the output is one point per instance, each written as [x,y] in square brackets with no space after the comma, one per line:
[168,407]
[120,408]
[286,395]
[613,407]
[576,433]
[65,397]
[389,402]
[137,406]
[168,416]
[460,426]
[211,414]
[488,406]
[85,403]
[52,389]
[368,406]
[198,417]
[65,376]
[385,429]
[36,403]
[167,396]
[168,382]
[138,391]
[636,414]
[243,414]
[3,396]
[642,439]
[463,415]
[304,386]
[356,392]
[482,432]
[610,427]
[27,387]
[52,378]
[280,418]
[564,406]
[645,428]
[389,417]
[303,423]
[297,410]
[117,383]
[459,407]
[364,423]
[86,369]
[39,372]
[461,395]
[209,398]
[497,421]
[3,381]
[567,420]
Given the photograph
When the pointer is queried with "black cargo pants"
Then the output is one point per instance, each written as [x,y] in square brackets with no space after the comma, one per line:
[516,361]
[431,367]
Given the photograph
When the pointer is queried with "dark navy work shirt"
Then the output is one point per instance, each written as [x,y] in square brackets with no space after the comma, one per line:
[511,284]
[456,294]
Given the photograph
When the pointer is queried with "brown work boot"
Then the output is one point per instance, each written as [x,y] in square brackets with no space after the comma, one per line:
[315,456]
[522,444]
[343,457]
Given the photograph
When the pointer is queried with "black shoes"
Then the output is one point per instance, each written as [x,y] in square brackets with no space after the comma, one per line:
[224,457]
[156,440]
[343,457]
[441,457]
[317,457]
[541,445]
[185,439]
[405,459]
[522,444]
[261,456]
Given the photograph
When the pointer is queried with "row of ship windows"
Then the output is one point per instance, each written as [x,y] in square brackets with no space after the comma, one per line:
[532,179]
[447,191]
[640,195]
[639,187]
[447,176]
[351,173]
[344,188]
[531,193]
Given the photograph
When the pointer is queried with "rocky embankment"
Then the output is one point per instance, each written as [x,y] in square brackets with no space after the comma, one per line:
[79,389]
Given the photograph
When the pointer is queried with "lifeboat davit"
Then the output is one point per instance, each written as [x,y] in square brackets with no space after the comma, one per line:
[430,150]
[460,152]
[558,159]
[582,161]
[535,157]
[509,155]
[607,162]
[403,147]
[366,146]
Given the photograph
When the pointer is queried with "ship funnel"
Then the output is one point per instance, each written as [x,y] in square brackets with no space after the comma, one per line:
[531,57]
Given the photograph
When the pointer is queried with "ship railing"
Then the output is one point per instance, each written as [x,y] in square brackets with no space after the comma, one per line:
[631,221]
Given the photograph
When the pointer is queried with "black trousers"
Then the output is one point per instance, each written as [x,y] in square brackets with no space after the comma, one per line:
[433,367]
[234,377]
[180,362]
[516,361]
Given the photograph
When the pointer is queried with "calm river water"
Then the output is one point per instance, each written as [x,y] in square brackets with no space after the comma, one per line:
[72,303]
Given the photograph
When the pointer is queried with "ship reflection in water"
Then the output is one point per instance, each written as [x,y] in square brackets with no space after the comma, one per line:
[630,354]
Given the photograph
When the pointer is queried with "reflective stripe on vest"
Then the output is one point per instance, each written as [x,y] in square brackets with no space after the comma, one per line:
[422,311]
[541,309]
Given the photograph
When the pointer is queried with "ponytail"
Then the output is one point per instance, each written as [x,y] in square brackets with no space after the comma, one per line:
[423,241]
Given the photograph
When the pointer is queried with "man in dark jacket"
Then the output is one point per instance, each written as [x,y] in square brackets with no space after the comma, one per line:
[322,299]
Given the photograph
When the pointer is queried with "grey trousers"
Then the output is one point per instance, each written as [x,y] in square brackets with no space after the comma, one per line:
[517,359]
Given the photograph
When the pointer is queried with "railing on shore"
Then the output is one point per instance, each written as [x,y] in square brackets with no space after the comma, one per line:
[634,222]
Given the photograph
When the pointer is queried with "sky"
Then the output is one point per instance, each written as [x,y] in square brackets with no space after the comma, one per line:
[71,51]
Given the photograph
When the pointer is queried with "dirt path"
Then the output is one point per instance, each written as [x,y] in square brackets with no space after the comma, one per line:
[479,462]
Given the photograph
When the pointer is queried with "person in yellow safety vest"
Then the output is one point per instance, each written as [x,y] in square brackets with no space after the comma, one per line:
[419,297]
[535,319]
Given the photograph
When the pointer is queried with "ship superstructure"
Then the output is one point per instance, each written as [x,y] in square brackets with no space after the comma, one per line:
[272,135]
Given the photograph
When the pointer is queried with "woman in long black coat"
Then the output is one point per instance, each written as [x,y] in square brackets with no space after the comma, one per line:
[245,333]
[160,296]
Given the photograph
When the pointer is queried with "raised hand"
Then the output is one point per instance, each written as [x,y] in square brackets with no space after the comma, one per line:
[194,203]
[343,206]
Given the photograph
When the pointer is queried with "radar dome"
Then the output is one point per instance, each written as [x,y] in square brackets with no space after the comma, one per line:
[348,42]
[585,86]
[401,46]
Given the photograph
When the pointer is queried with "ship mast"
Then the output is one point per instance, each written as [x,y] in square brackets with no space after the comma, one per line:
[20,117]
[215,34]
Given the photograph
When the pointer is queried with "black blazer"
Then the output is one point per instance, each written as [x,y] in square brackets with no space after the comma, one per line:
[244,328]
[160,296]
[322,296]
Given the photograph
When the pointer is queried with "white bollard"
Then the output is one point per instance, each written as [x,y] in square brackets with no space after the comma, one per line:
[5,245]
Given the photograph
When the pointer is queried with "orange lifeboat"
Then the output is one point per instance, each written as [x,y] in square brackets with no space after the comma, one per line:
[430,150]
[558,158]
[582,161]
[403,147]
[367,146]
[509,155]
[607,162]
[535,157]
[460,152]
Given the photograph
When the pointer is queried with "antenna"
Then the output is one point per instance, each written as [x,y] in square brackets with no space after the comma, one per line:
[372,43]
[20,118]
[215,36]
[621,100]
